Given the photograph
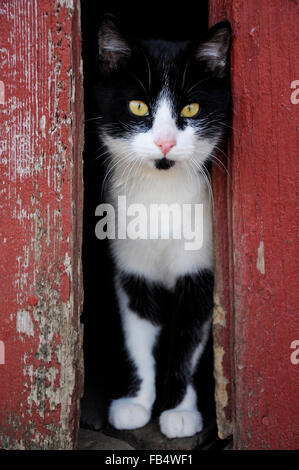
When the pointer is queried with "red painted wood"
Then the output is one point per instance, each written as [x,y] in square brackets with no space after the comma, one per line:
[264,177]
[223,324]
[41,211]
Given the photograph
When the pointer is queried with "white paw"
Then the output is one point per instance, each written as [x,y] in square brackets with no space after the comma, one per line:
[180,423]
[125,414]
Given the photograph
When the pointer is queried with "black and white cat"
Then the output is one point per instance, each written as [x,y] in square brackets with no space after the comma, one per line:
[163,108]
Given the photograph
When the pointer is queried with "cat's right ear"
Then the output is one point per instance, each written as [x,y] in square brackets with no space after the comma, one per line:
[114,49]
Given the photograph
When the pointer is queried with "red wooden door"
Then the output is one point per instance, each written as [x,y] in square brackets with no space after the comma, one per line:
[41,123]
[257,295]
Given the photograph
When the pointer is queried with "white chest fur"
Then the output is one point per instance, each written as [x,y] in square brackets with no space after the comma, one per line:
[162,260]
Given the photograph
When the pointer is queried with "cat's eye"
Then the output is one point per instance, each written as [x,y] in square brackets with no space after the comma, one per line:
[139,108]
[190,110]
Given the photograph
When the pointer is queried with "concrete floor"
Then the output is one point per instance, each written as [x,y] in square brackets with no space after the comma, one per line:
[97,440]
[148,438]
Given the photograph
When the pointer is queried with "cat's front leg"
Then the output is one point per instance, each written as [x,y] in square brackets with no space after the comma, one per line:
[140,334]
[194,294]
[184,420]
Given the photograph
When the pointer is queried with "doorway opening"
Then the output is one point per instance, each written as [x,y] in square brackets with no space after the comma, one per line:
[105,367]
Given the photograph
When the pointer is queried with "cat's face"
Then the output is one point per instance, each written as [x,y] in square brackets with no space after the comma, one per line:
[161,103]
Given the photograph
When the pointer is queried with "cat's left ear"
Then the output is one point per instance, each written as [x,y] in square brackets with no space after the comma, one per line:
[214,49]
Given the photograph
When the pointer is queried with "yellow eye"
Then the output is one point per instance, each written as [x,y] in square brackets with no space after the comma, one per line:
[190,110]
[138,108]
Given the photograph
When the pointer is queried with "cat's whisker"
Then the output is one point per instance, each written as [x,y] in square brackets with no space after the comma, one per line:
[93,119]
[208,181]
[102,154]
[221,151]
[184,74]
[149,70]
[226,125]
[220,164]
[194,170]
[187,167]
[197,83]
[128,175]
[120,161]
[138,168]
[201,169]
[138,80]
[106,180]
[123,173]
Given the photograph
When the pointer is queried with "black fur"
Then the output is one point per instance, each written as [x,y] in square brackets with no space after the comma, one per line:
[137,73]
[181,312]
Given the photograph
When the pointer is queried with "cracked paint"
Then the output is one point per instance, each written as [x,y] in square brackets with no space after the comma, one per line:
[260,262]
[41,202]
[225,427]
[24,323]
[222,382]
[219,314]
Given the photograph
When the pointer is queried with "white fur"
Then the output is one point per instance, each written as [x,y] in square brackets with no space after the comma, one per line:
[125,413]
[211,50]
[185,419]
[111,41]
[140,338]
[164,260]
[201,346]
[164,128]
[214,52]
[180,423]
[134,175]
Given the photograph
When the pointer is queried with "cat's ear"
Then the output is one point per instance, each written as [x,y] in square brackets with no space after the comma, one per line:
[114,49]
[213,50]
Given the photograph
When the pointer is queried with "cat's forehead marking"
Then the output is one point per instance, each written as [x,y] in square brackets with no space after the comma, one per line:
[164,100]
[163,117]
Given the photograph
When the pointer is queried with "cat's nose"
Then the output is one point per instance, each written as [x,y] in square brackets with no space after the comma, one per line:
[165,145]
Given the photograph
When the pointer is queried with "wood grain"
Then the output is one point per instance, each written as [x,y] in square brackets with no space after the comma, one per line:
[41,214]
[263,198]
[223,318]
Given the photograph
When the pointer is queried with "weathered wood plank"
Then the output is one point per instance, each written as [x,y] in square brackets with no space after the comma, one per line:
[223,294]
[264,222]
[41,203]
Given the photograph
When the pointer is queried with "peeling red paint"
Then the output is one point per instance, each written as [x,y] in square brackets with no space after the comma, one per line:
[223,323]
[41,202]
[32,300]
[260,211]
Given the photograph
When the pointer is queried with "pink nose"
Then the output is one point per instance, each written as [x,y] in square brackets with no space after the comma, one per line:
[165,145]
